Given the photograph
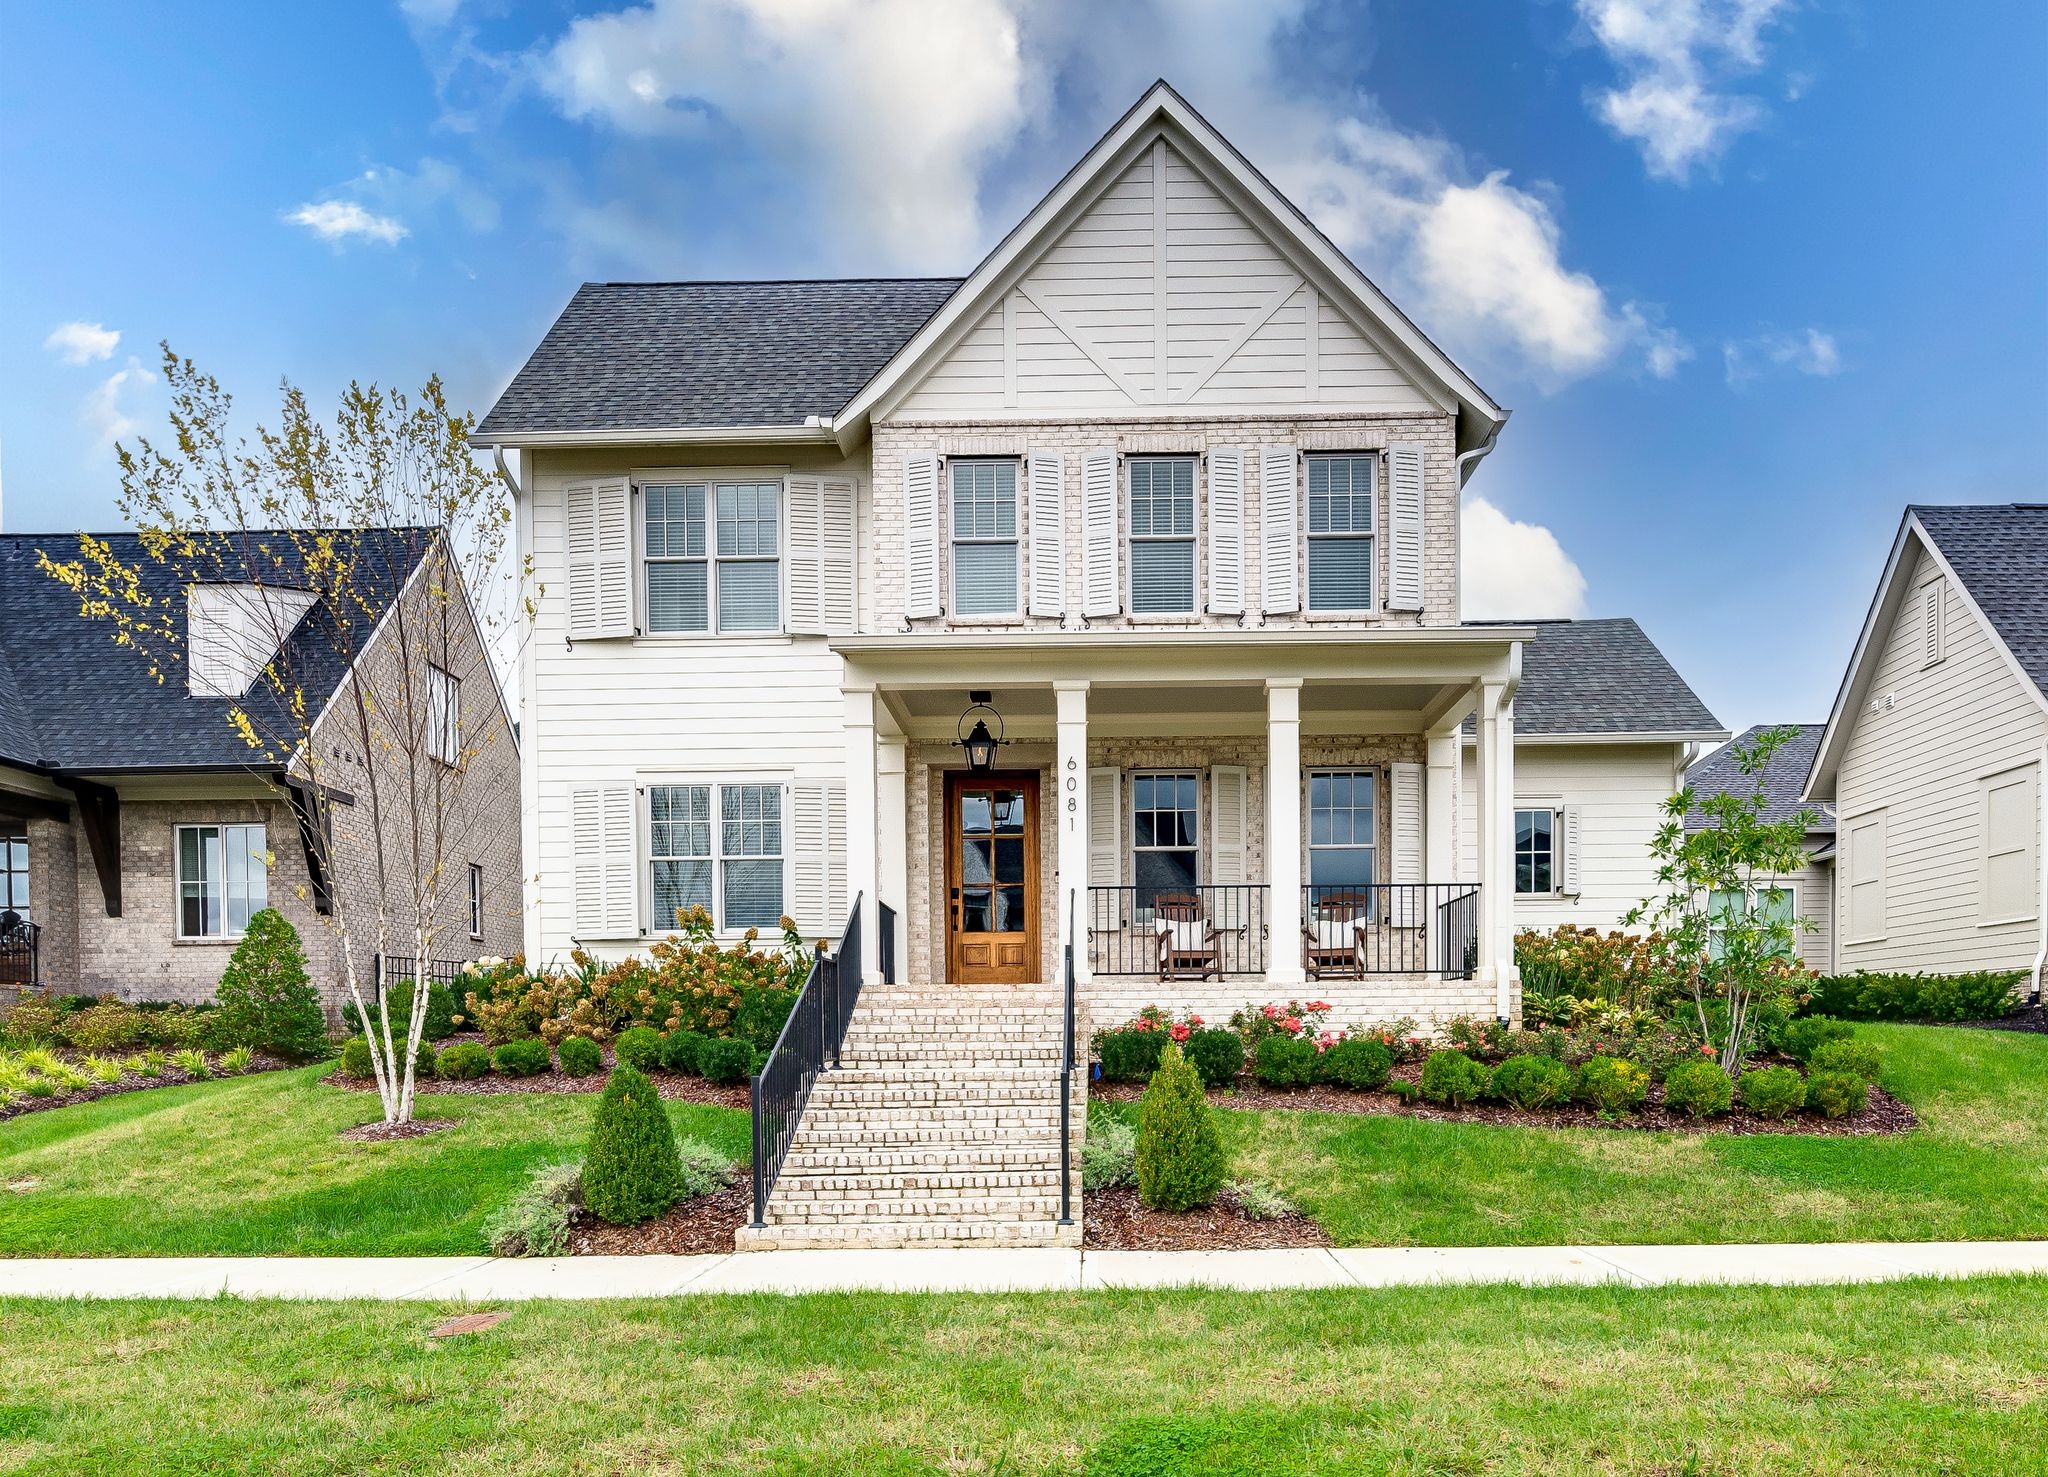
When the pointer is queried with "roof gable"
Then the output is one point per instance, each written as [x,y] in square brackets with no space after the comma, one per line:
[1603,679]
[1784,777]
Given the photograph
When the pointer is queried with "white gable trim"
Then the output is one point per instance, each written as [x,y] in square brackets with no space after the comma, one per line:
[1323,266]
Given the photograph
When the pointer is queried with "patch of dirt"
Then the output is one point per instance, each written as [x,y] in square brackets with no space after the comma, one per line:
[132,1082]
[2027,1018]
[1884,1113]
[1117,1220]
[705,1224]
[667,1084]
[382,1132]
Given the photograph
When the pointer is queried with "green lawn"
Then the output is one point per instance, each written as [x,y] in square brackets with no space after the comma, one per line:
[1918,1377]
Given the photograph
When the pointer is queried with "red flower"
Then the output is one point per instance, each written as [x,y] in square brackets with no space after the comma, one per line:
[1178,1033]
[1293,1024]
[1318,1007]
[1706,1050]
[1270,1011]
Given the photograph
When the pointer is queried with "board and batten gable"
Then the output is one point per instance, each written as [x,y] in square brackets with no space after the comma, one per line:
[1938,763]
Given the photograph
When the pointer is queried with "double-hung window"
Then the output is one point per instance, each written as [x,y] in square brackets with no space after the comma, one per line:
[223,880]
[1536,851]
[1165,834]
[713,553]
[444,716]
[1343,829]
[984,538]
[1340,532]
[14,871]
[1162,535]
[732,867]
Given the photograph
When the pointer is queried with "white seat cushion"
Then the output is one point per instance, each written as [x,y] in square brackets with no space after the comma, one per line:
[1189,936]
[1336,933]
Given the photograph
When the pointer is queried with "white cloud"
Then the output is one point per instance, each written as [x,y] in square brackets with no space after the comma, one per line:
[1676,59]
[79,342]
[1805,351]
[339,220]
[106,411]
[1514,571]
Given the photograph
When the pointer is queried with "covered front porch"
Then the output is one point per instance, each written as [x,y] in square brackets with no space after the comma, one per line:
[1209,818]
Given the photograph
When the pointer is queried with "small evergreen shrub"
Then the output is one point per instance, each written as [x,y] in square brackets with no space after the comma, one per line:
[1131,1055]
[1407,1092]
[639,1047]
[1801,1038]
[465,1061]
[703,1168]
[726,1060]
[424,1063]
[266,998]
[1260,1201]
[1698,1089]
[1981,996]
[536,1221]
[1775,1093]
[1285,1061]
[1357,1062]
[1860,1057]
[1532,1082]
[1180,1160]
[580,1056]
[1109,1153]
[680,1051]
[1837,1094]
[631,1171]
[355,1058]
[522,1058]
[1609,1085]
[1452,1078]
[1216,1055]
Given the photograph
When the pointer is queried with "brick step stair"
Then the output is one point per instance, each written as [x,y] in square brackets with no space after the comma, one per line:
[937,1231]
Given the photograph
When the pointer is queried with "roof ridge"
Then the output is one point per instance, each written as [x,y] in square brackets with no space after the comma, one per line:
[770,281]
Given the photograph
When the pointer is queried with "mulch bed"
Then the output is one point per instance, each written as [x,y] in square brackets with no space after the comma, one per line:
[669,1085]
[2027,1018]
[705,1224]
[1117,1220]
[381,1132]
[170,1077]
[1885,1113]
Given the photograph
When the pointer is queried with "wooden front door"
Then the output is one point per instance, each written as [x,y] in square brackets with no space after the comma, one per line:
[992,879]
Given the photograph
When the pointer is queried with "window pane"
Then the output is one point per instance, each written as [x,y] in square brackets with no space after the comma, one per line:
[680,820]
[1162,499]
[188,854]
[1340,866]
[191,911]
[1163,871]
[1340,494]
[678,598]
[752,820]
[984,500]
[1163,577]
[1340,574]
[747,519]
[679,885]
[675,521]
[749,596]
[753,894]
[985,579]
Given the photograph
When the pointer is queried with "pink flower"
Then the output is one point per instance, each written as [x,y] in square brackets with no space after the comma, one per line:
[1178,1033]
[1706,1050]
[1270,1011]
[1293,1024]
[1318,1007]
[1194,1020]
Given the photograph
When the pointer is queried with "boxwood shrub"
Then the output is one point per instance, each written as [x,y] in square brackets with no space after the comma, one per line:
[1801,1038]
[1531,1082]
[355,1058]
[465,1061]
[1609,1085]
[1216,1055]
[726,1060]
[1357,1062]
[438,1026]
[1131,1055]
[1860,1057]
[679,1051]
[1836,1094]
[1180,1159]
[639,1047]
[1452,1078]
[631,1172]
[1772,1092]
[1285,1061]
[580,1055]
[522,1058]
[1698,1089]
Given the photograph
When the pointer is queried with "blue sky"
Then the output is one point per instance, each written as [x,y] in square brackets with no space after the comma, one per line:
[1752,273]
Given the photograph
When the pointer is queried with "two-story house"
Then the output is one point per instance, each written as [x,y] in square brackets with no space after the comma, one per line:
[1106,597]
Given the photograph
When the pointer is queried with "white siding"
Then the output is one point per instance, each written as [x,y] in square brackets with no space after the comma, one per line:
[1921,759]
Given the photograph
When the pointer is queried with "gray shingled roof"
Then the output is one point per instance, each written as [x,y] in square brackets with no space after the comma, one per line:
[2000,553]
[664,355]
[1601,677]
[1784,778]
[71,700]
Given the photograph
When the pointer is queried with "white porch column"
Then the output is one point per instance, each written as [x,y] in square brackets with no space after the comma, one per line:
[892,832]
[1492,827]
[1283,830]
[861,872]
[1506,979]
[1440,809]
[1070,812]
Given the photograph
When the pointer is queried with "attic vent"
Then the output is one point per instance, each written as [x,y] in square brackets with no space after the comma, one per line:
[232,631]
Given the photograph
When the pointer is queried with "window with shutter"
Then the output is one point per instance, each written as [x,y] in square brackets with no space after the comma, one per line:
[1343,829]
[1099,591]
[1405,518]
[678,556]
[1340,532]
[1536,851]
[1279,531]
[818,865]
[601,822]
[920,536]
[1226,531]
[1047,482]
[984,518]
[1162,535]
[821,514]
[1230,827]
[597,531]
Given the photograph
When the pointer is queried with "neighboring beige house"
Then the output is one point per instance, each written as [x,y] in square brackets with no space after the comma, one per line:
[1932,759]
[1809,893]
[138,830]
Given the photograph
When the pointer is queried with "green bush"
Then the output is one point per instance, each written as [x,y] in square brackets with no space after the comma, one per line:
[1285,1061]
[1698,1089]
[34,1021]
[1837,1094]
[522,1058]
[1772,1092]
[725,1060]
[266,998]
[1180,1161]
[1357,1062]
[1407,1092]
[1452,1078]
[761,1014]
[1130,1055]
[108,1026]
[1109,1153]
[438,1026]
[1609,1085]
[465,1061]
[1982,996]
[1216,1055]
[355,1058]
[1531,1082]
[580,1055]
[681,1049]
[631,1171]
[703,1168]
[639,1047]
[1860,1057]
[1801,1038]
[536,1221]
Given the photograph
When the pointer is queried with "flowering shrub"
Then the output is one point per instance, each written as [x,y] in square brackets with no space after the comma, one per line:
[1294,1019]
[1571,969]
[1131,1052]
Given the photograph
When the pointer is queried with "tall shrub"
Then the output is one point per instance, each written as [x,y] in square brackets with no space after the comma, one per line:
[1180,1152]
[631,1172]
[266,999]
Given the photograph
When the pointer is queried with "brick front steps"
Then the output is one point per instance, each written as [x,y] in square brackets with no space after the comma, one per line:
[939,1128]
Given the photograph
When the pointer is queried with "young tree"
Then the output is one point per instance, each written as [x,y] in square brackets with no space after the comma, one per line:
[1723,947]
[370,537]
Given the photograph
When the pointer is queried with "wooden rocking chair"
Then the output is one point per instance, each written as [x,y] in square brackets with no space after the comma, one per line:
[1332,944]
[1190,946]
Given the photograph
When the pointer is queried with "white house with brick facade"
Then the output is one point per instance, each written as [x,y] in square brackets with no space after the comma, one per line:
[1166,494]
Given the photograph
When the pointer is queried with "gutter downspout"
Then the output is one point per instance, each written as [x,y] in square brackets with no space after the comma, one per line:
[1468,461]
[2041,867]
[504,472]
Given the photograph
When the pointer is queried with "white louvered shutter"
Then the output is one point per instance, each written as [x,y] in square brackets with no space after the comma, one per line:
[1932,614]
[818,860]
[1568,848]
[1105,860]
[1407,801]
[606,853]
[1229,824]
[1404,526]
[839,557]
[1046,485]
[1226,531]
[804,500]
[1099,592]
[597,535]
[920,536]
[1279,531]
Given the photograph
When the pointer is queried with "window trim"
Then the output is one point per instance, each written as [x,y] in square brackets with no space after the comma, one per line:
[179,880]
[1198,774]
[9,834]
[710,479]
[1376,593]
[1015,541]
[1193,539]
[1845,829]
[1556,814]
[444,733]
[647,784]
[1309,847]
[476,900]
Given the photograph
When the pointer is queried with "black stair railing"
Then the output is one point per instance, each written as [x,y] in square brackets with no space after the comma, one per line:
[811,1037]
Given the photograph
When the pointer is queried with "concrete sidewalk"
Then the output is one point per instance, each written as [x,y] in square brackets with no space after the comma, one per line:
[497,1279]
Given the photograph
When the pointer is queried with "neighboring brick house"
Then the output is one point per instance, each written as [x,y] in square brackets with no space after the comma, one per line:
[135,822]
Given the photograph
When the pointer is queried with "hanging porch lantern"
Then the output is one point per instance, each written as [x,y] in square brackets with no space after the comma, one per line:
[980,745]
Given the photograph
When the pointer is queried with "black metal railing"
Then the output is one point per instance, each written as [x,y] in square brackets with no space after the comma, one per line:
[392,968]
[1391,928]
[1178,932]
[1067,1082]
[21,953]
[811,1037]
[885,942]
